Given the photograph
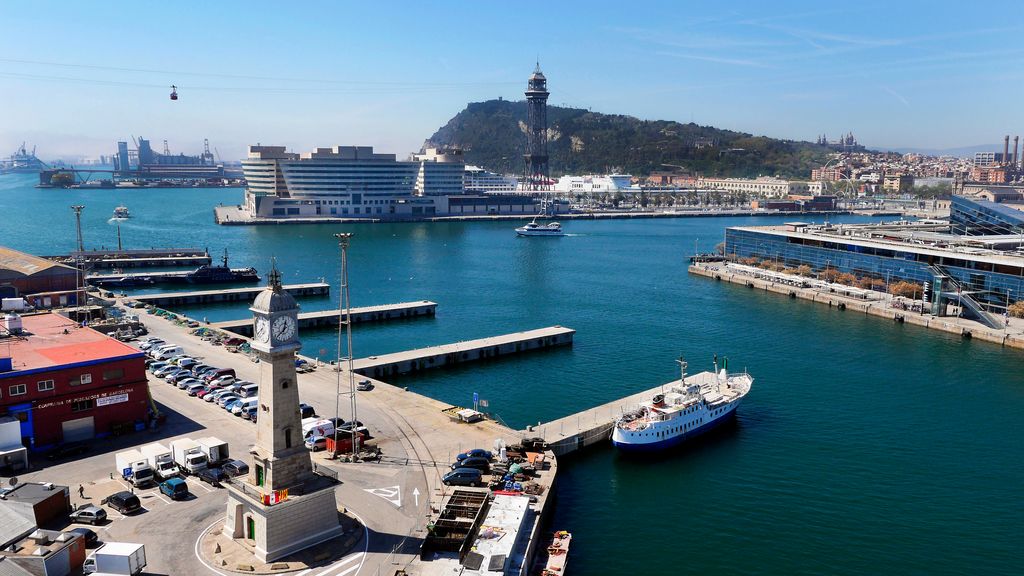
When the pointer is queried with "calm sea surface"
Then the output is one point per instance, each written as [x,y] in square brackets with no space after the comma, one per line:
[864,447]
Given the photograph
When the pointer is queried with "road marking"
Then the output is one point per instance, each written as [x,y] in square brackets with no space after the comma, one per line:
[392,494]
[343,562]
[304,572]
[416,495]
[162,499]
[200,483]
[347,571]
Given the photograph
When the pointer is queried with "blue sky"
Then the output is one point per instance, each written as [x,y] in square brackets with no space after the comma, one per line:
[76,76]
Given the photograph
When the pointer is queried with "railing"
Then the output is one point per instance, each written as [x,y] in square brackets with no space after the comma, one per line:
[965,299]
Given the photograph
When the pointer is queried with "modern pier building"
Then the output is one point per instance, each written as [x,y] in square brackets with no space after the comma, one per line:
[983,270]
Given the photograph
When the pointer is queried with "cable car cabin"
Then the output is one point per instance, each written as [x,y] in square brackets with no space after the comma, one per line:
[174,92]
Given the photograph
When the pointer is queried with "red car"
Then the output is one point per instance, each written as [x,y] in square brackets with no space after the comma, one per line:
[205,391]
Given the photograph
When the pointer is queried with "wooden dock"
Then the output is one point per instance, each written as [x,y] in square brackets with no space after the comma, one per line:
[307,320]
[165,299]
[449,354]
[594,425]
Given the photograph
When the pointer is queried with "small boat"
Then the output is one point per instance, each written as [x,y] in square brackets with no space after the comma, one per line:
[689,408]
[122,213]
[534,229]
[558,554]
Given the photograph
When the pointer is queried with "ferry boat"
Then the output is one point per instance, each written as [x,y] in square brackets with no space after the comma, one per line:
[534,229]
[122,213]
[691,406]
[558,554]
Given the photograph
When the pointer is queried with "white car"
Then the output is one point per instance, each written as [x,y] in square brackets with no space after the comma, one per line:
[156,342]
[222,381]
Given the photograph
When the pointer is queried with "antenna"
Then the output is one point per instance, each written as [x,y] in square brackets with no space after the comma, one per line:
[167,151]
[682,369]
[345,309]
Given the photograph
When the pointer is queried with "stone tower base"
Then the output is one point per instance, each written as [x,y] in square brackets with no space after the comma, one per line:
[277,530]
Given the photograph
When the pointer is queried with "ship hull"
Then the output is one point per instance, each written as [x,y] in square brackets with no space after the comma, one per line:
[627,444]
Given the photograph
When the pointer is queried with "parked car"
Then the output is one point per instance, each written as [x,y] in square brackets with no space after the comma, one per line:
[179,374]
[230,404]
[235,468]
[67,449]
[187,362]
[202,394]
[88,514]
[90,537]
[306,411]
[364,385]
[227,401]
[151,343]
[155,365]
[223,381]
[124,502]
[213,476]
[186,382]
[357,426]
[316,443]
[249,413]
[475,453]
[194,389]
[200,368]
[165,371]
[463,477]
[215,395]
[481,464]
[174,488]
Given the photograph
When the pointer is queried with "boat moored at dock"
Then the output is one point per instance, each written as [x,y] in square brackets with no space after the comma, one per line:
[687,409]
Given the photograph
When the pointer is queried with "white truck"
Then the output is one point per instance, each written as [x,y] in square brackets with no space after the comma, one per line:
[160,460]
[120,558]
[188,455]
[133,467]
[216,450]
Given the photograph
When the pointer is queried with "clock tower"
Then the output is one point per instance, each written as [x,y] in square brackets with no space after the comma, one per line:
[280,459]
[282,506]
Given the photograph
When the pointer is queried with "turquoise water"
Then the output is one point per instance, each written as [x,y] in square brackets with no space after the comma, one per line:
[864,447]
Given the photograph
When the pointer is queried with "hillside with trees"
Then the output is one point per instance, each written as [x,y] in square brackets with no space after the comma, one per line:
[492,134]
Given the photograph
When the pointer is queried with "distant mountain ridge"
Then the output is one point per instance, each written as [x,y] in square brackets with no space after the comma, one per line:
[960,152]
[492,134]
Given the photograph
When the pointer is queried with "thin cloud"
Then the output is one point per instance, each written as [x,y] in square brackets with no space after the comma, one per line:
[715,59]
[896,95]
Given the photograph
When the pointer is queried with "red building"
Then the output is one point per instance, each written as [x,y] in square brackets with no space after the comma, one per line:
[67,383]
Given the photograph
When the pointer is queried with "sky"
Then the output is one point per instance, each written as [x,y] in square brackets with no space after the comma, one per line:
[75,77]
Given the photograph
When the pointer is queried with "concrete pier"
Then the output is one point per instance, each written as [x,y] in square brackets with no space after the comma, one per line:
[164,299]
[307,320]
[594,425]
[869,303]
[157,262]
[459,352]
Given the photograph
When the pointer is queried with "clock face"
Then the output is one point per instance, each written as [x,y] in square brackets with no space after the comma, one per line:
[262,330]
[284,328]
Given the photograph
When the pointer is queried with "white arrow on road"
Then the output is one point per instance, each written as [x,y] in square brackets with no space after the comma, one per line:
[416,495]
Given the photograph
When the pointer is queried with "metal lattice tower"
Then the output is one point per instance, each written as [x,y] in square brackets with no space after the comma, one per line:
[78,225]
[537,130]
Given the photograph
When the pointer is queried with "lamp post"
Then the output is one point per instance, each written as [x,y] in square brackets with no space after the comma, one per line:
[345,310]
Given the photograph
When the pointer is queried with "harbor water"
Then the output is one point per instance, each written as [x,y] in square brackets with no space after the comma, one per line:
[863,447]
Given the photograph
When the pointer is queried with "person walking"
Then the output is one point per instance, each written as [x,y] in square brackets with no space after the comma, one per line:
[81,492]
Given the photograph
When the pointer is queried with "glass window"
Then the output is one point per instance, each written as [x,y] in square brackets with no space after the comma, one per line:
[17,389]
[82,405]
[81,379]
[45,385]
[115,374]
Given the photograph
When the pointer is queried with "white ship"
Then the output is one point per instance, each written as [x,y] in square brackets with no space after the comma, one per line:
[122,213]
[534,229]
[691,406]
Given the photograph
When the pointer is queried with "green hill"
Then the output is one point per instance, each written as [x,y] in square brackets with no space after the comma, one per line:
[492,134]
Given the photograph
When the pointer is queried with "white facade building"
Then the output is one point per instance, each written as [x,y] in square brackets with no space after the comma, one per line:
[593,183]
[441,172]
[480,181]
[344,182]
[763,187]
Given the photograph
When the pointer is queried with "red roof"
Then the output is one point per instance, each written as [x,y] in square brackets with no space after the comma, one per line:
[44,344]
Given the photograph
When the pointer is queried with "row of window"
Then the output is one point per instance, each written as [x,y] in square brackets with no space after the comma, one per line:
[47,385]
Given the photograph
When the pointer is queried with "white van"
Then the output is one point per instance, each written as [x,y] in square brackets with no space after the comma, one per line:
[244,405]
[249,390]
[318,426]
[156,350]
[167,353]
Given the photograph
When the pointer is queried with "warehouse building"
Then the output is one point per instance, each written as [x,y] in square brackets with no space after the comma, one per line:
[65,383]
[44,283]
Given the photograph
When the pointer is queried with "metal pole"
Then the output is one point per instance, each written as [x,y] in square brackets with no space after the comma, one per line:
[343,242]
[78,225]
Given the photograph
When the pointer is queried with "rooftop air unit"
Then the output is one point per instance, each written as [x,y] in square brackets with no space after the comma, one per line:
[13,323]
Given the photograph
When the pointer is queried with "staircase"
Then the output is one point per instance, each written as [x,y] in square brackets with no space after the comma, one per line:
[964,297]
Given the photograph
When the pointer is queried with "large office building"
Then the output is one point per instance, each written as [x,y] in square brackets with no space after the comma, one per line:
[440,173]
[760,187]
[983,271]
[65,382]
[340,181]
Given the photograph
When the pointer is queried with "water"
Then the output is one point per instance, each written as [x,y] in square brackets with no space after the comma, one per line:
[864,447]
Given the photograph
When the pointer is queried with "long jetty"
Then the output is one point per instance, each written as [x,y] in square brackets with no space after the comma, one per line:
[594,425]
[227,294]
[98,259]
[365,314]
[449,354]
